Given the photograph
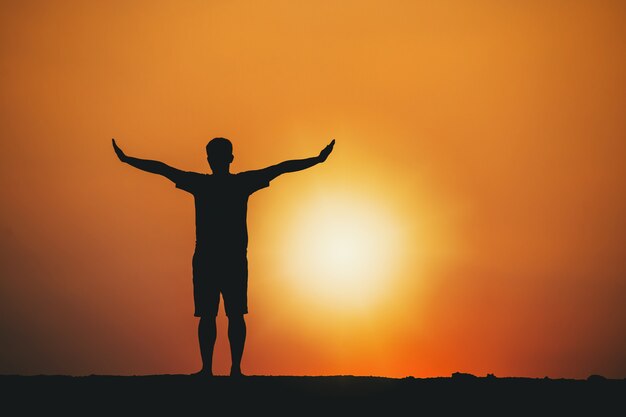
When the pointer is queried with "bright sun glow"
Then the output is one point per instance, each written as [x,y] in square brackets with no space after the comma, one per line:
[342,251]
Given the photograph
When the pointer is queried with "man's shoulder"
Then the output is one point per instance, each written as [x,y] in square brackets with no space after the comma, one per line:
[250,174]
[188,180]
[252,181]
[197,175]
[243,176]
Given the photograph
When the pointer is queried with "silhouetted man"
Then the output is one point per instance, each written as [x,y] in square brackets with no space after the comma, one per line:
[220,262]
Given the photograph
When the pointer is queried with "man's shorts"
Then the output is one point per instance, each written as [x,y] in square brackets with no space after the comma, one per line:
[213,275]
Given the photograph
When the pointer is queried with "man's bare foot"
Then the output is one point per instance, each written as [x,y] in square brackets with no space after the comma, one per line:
[236,373]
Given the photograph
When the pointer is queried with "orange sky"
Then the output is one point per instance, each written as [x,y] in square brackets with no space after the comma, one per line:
[475,195]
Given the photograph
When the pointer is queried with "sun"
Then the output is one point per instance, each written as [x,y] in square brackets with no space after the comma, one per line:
[341,250]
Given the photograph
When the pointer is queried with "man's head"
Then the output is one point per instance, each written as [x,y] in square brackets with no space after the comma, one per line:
[219,152]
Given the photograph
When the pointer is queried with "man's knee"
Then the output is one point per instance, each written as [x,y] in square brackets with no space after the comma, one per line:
[236,319]
[207,321]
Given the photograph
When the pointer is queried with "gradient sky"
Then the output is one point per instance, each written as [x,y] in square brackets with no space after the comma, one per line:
[472,217]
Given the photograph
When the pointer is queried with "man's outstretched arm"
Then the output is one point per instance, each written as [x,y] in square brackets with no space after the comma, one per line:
[298,164]
[155,167]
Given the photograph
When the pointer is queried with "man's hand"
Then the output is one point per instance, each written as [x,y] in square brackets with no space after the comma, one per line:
[120,153]
[326,151]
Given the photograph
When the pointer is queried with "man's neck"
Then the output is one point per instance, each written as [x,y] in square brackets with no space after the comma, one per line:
[221,173]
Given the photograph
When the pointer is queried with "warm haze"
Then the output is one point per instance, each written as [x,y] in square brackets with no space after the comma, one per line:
[471,218]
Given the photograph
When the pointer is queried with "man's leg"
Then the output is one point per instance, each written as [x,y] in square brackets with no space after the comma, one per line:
[207,333]
[237,339]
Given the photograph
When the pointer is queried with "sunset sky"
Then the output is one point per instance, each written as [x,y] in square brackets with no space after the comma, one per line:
[471,218]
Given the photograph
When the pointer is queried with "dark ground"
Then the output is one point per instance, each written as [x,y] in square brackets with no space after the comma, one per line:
[330,395]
